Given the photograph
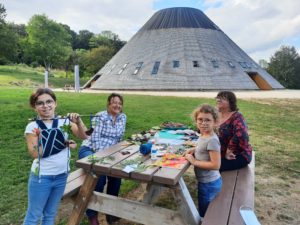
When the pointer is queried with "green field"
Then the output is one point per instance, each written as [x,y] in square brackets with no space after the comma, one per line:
[25,76]
[274,133]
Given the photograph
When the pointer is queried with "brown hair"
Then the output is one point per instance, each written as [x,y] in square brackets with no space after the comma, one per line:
[34,96]
[113,95]
[230,96]
[205,108]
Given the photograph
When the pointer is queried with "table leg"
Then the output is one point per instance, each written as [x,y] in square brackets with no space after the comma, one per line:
[82,199]
[152,192]
[186,204]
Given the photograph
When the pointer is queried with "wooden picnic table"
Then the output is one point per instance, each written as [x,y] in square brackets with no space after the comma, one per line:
[144,212]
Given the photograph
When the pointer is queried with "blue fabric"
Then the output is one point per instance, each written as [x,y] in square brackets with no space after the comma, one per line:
[44,195]
[167,135]
[145,148]
[113,184]
[52,140]
[206,193]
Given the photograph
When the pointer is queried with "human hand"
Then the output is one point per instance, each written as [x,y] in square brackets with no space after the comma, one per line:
[190,158]
[37,132]
[189,151]
[230,155]
[75,118]
[71,144]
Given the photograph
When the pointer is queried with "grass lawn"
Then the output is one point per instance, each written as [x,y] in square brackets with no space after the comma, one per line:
[25,76]
[274,133]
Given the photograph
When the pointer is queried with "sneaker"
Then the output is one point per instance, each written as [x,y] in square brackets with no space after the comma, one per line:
[94,220]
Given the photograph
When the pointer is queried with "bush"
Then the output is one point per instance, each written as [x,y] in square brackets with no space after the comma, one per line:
[34,64]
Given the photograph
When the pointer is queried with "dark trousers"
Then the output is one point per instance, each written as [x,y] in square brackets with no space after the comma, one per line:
[113,183]
[233,164]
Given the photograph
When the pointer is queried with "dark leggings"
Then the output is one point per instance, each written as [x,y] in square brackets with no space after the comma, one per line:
[237,163]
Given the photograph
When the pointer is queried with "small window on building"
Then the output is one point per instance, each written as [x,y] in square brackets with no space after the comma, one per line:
[196,64]
[137,68]
[231,64]
[215,63]
[112,67]
[255,65]
[248,65]
[243,64]
[123,68]
[155,67]
[175,64]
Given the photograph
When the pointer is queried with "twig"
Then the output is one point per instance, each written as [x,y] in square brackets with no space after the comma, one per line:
[60,117]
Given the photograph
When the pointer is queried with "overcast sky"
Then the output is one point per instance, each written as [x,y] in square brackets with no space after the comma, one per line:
[259,27]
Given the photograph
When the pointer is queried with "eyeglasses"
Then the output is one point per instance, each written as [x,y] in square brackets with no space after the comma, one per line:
[116,103]
[46,103]
[206,121]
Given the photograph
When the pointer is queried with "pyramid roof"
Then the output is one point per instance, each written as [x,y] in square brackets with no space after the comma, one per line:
[181,49]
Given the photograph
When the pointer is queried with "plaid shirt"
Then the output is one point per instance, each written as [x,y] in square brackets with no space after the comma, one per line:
[106,133]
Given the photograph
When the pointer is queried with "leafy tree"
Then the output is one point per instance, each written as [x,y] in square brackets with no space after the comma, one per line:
[8,39]
[107,38]
[20,31]
[2,13]
[263,63]
[99,40]
[73,35]
[83,39]
[48,42]
[285,67]
[93,60]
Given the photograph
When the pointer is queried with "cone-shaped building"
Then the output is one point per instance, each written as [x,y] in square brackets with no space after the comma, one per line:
[181,49]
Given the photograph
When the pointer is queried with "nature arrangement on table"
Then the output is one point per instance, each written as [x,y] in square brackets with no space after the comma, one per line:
[168,155]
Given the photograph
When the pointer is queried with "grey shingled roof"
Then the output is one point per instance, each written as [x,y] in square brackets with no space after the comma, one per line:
[183,35]
[179,18]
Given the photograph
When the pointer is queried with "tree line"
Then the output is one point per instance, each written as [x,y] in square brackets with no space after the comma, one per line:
[54,45]
[44,42]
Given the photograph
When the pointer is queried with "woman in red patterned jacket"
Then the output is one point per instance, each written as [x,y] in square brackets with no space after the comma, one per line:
[236,151]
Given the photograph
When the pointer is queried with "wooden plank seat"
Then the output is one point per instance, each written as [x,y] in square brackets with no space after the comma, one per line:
[111,163]
[74,182]
[237,191]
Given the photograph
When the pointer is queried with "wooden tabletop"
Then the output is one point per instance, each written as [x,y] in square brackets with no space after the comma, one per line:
[126,151]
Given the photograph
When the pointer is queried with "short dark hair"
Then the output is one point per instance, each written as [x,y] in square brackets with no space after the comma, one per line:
[113,95]
[230,96]
[34,96]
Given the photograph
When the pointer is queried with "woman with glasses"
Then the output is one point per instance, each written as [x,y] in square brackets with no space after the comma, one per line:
[236,151]
[108,130]
[48,144]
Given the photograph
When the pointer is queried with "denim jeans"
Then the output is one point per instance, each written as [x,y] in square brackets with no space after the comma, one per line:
[44,195]
[206,193]
[113,184]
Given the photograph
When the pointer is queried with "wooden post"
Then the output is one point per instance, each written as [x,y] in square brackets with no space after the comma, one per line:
[76,76]
[82,199]
[46,75]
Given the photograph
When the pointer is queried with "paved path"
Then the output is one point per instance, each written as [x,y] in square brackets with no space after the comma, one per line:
[259,94]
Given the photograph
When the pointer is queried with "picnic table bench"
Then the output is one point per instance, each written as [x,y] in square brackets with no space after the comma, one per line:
[68,87]
[157,179]
[237,191]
